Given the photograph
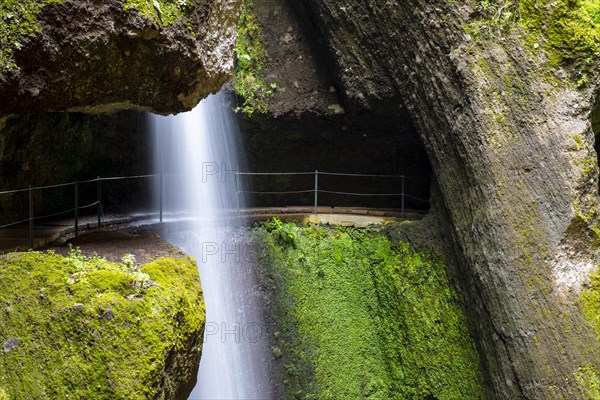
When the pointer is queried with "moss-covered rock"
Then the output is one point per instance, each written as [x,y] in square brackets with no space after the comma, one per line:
[164,12]
[588,375]
[358,317]
[569,31]
[251,56]
[19,22]
[160,55]
[86,328]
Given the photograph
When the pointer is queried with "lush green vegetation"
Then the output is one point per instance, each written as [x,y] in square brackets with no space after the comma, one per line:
[86,328]
[359,317]
[568,29]
[251,59]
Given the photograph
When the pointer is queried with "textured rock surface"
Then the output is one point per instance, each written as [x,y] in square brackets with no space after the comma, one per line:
[303,87]
[307,128]
[101,56]
[511,145]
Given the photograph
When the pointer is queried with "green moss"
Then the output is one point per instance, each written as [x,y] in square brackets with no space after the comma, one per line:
[579,141]
[17,23]
[591,302]
[251,60]
[91,329]
[164,12]
[588,378]
[596,231]
[360,318]
[569,30]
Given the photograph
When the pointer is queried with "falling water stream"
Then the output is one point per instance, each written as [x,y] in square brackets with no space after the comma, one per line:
[198,154]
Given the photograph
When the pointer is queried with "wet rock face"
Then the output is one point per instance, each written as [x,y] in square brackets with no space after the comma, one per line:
[303,85]
[512,152]
[102,56]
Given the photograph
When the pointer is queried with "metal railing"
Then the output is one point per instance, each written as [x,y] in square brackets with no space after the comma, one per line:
[316,190]
[99,209]
[32,218]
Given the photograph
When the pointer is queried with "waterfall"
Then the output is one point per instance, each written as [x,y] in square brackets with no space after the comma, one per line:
[197,154]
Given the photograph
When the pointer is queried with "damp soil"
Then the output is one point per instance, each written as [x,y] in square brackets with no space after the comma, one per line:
[114,243]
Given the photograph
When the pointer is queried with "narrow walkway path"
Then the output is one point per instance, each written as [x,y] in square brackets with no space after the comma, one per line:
[16,238]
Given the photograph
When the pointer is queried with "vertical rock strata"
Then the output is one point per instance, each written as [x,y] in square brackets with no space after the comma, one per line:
[511,146]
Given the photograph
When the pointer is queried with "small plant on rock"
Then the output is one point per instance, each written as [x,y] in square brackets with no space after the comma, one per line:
[251,59]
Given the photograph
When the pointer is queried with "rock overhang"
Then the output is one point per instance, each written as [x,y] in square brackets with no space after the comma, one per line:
[104,57]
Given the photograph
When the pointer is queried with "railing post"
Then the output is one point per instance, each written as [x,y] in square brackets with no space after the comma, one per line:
[99,198]
[31,225]
[316,189]
[76,208]
[161,196]
[237,190]
[402,209]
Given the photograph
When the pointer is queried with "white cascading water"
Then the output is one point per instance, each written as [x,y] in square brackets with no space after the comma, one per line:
[198,154]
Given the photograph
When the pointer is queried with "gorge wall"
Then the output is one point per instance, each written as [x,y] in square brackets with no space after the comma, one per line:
[59,58]
[501,103]
[55,148]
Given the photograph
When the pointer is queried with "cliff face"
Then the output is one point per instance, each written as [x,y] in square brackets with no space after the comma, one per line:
[500,95]
[307,126]
[94,56]
[503,110]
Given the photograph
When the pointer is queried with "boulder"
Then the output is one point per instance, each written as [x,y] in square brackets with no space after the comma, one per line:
[90,56]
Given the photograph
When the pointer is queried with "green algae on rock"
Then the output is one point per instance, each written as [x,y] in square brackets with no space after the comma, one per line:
[164,12]
[568,30]
[359,317]
[588,376]
[78,327]
[251,63]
